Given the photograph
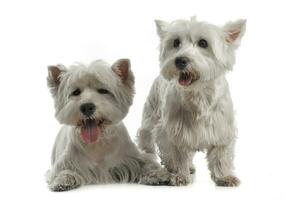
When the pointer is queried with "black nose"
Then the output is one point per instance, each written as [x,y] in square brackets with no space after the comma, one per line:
[88,109]
[181,62]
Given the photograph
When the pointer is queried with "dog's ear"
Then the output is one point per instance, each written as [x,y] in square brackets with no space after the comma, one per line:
[233,32]
[162,27]
[122,68]
[54,77]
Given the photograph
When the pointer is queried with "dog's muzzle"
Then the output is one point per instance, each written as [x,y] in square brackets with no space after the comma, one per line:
[186,77]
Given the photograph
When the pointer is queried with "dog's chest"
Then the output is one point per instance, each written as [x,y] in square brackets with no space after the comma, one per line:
[101,152]
[191,121]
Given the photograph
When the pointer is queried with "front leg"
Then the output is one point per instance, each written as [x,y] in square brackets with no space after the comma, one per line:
[177,162]
[158,176]
[220,164]
[65,180]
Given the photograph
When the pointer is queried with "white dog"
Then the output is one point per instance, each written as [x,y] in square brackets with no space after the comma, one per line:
[93,145]
[189,107]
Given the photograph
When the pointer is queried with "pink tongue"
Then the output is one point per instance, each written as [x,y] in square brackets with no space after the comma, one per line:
[185,82]
[90,133]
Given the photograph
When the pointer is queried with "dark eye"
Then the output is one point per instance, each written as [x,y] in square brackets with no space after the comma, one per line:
[176,43]
[103,91]
[76,92]
[202,43]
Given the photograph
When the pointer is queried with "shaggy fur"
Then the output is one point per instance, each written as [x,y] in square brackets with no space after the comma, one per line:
[110,155]
[189,107]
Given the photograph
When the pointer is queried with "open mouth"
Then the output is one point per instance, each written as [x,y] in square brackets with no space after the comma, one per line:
[187,78]
[90,129]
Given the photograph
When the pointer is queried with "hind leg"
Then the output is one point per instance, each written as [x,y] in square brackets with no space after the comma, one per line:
[191,165]
[145,136]
[150,117]
[146,140]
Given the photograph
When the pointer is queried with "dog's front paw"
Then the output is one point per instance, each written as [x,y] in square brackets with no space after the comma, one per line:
[227,181]
[63,182]
[156,177]
[179,180]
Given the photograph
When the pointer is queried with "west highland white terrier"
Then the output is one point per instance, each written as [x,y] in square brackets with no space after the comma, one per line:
[93,146]
[189,107]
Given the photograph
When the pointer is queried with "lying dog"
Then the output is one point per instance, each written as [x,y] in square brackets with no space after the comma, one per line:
[93,146]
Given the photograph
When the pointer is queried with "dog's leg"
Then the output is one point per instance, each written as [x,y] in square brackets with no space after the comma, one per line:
[191,165]
[155,176]
[177,162]
[220,164]
[145,136]
[65,180]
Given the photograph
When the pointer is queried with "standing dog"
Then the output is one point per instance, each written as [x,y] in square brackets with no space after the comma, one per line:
[189,107]
[93,146]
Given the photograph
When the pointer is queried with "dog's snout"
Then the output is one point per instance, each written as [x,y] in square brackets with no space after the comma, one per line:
[88,109]
[181,62]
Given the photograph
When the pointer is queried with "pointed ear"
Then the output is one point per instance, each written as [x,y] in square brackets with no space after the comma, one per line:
[54,75]
[122,68]
[162,27]
[234,31]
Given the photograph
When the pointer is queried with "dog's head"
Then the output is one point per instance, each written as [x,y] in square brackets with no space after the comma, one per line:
[192,52]
[91,97]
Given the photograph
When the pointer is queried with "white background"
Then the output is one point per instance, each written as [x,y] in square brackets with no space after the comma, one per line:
[35,34]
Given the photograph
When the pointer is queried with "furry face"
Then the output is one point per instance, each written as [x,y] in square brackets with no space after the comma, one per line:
[192,52]
[92,97]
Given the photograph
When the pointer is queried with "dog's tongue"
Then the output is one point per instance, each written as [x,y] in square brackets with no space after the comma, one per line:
[90,132]
[185,79]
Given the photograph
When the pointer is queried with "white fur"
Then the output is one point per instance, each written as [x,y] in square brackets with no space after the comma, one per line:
[113,157]
[182,120]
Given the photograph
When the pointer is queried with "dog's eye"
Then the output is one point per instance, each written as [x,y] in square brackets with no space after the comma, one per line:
[103,91]
[176,43]
[202,43]
[76,92]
